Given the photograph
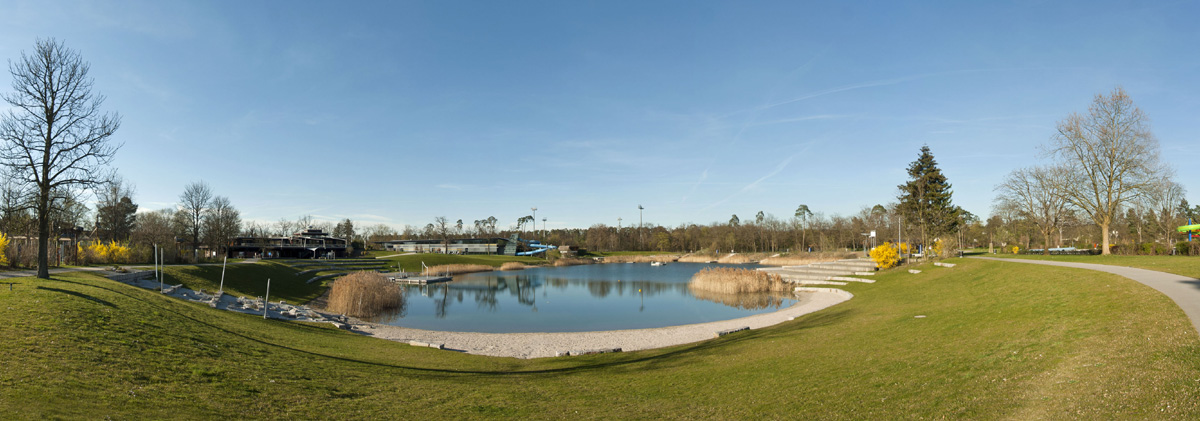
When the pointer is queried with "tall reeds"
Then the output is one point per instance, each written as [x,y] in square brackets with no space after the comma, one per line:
[365,295]
[736,281]
[637,258]
[571,261]
[455,269]
[513,266]
[698,258]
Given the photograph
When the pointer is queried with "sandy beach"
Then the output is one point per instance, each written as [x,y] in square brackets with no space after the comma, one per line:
[539,345]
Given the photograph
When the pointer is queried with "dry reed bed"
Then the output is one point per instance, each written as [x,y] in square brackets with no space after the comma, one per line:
[740,258]
[455,269]
[365,295]
[513,266]
[737,281]
[698,258]
[641,258]
[570,261]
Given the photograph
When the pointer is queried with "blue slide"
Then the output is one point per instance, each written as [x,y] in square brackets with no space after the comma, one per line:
[537,246]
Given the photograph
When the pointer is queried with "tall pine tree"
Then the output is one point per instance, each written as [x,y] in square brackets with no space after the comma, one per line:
[925,198]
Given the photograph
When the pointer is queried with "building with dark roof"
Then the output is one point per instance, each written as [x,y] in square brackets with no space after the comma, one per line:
[308,244]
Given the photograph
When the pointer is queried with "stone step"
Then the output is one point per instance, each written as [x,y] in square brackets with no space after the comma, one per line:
[802,269]
[839,266]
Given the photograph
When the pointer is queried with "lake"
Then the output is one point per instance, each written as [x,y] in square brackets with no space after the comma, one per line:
[575,299]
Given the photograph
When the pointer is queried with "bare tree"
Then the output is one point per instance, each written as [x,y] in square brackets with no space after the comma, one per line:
[221,222]
[193,203]
[442,228]
[1160,202]
[55,137]
[1037,194]
[284,227]
[1110,156]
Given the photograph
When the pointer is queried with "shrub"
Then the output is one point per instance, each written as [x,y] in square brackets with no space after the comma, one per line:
[1016,250]
[939,247]
[3,249]
[365,294]
[1190,248]
[112,252]
[886,256]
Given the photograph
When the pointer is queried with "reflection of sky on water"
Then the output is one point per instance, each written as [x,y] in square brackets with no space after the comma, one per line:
[573,299]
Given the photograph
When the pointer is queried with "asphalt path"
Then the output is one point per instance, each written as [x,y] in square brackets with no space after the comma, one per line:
[1183,290]
[33,272]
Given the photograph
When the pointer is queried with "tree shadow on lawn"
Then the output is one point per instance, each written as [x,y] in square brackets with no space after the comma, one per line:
[77,294]
[608,361]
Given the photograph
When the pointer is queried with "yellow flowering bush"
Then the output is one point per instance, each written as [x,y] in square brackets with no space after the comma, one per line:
[1016,250]
[885,256]
[113,252]
[3,249]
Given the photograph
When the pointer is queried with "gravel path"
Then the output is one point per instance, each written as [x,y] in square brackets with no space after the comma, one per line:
[538,345]
[1183,290]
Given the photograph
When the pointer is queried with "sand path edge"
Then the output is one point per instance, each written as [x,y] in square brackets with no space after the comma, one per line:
[540,345]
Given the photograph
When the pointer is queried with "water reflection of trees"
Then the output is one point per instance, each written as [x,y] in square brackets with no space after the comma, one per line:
[749,301]
[485,291]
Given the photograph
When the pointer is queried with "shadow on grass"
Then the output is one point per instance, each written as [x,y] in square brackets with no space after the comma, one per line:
[78,294]
[820,319]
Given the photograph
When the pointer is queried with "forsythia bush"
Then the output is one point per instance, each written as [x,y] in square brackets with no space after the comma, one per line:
[3,248]
[886,255]
[1016,250]
[938,247]
[112,252]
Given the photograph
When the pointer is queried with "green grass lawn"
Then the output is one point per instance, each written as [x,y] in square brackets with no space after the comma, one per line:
[412,262]
[247,279]
[999,340]
[1179,265]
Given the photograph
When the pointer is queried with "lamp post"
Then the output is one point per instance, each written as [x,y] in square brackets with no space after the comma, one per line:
[641,239]
[543,227]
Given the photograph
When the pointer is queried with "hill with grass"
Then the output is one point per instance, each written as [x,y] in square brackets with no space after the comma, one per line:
[997,340]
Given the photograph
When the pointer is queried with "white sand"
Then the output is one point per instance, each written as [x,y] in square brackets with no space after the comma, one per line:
[538,345]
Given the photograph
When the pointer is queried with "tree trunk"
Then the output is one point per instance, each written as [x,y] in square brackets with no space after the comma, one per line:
[43,260]
[1104,239]
[1046,244]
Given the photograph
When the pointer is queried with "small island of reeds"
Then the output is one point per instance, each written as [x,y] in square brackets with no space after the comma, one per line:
[365,295]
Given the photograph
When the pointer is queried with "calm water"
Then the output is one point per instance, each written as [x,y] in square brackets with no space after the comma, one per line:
[574,299]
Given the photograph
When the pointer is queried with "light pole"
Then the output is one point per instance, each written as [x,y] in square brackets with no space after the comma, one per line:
[543,227]
[641,239]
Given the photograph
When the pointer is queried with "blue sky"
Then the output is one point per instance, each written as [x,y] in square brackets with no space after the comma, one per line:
[398,112]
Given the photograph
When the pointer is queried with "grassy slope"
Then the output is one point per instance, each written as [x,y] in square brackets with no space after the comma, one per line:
[1000,340]
[412,262]
[247,279]
[1179,265]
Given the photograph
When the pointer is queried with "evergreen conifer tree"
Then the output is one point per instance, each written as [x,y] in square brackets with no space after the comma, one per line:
[925,199]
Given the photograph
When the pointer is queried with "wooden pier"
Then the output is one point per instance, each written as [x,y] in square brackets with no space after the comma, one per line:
[419,280]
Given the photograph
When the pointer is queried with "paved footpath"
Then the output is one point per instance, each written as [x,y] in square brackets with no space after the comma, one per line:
[1183,290]
[33,272]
